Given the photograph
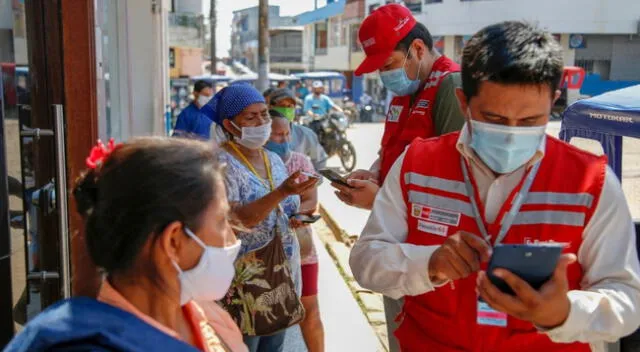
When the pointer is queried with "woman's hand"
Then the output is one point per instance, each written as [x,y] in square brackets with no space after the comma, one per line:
[294,223]
[291,186]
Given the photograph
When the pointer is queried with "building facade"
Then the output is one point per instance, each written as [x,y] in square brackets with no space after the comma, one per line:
[283,34]
[331,40]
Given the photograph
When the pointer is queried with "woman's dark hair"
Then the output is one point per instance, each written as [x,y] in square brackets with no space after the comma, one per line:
[511,53]
[419,31]
[142,187]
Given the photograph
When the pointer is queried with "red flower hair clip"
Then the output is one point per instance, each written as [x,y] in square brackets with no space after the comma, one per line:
[100,153]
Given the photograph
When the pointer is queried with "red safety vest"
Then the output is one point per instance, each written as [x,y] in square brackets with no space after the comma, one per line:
[406,121]
[558,206]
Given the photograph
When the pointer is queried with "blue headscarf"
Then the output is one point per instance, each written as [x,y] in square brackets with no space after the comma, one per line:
[230,101]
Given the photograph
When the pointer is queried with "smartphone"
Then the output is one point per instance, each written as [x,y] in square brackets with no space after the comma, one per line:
[335,177]
[534,263]
[307,219]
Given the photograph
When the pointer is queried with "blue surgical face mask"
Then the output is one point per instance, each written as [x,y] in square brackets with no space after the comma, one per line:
[398,82]
[282,149]
[504,149]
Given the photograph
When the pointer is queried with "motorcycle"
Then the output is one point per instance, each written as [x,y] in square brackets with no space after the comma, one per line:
[350,110]
[331,129]
[366,113]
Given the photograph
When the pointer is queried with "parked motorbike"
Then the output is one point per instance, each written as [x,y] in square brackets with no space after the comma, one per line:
[331,130]
[350,110]
[366,113]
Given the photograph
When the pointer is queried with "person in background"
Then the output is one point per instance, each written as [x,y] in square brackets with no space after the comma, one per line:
[503,180]
[303,139]
[280,143]
[262,196]
[155,213]
[301,91]
[267,93]
[425,105]
[318,103]
[191,120]
[281,84]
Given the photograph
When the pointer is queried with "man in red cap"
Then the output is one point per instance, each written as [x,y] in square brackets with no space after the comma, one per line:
[425,104]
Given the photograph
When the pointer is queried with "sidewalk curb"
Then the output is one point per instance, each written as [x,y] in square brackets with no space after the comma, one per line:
[370,303]
[339,234]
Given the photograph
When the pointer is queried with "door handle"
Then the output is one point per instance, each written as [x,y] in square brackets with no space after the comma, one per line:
[61,199]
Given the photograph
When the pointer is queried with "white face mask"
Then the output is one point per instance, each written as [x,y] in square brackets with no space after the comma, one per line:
[254,137]
[211,278]
[203,100]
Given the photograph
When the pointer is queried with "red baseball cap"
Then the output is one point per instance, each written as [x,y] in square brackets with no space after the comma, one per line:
[380,32]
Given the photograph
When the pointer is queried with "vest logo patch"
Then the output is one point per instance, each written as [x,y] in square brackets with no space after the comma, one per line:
[422,104]
[394,113]
[438,215]
[433,228]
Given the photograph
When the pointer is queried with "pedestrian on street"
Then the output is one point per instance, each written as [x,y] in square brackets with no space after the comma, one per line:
[318,103]
[192,121]
[447,201]
[264,297]
[425,105]
[155,214]
[303,139]
[280,143]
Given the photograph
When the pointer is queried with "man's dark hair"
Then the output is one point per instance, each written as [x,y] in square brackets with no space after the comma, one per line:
[200,85]
[419,31]
[511,52]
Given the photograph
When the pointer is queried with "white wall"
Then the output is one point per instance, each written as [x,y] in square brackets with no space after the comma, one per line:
[453,17]
[337,59]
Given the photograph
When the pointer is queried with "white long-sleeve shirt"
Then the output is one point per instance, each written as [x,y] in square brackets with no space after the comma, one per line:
[605,309]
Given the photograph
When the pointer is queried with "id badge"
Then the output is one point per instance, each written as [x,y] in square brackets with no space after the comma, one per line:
[489,316]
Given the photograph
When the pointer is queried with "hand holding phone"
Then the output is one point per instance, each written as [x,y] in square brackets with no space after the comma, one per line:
[307,219]
[335,177]
[546,307]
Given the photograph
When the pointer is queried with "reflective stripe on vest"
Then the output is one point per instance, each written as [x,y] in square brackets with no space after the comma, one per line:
[567,218]
[457,187]
[550,217]
[554,198]
[434,201]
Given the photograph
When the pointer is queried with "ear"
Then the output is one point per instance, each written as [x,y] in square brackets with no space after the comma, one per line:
[462,100]
[230,127]
[556,96]
[420,48]
[172,240]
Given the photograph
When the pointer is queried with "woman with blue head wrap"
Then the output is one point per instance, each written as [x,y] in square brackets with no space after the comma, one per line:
[257,185]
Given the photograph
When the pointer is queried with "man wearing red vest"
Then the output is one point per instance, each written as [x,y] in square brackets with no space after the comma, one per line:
[446,201]
[425,104]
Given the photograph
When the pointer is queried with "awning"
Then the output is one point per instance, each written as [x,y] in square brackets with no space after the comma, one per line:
[321,14]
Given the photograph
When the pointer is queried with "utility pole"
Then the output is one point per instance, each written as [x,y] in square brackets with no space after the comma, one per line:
[263,46]
[212,24]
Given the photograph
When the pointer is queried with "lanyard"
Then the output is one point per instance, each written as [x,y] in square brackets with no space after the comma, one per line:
[516,203]
[267,165]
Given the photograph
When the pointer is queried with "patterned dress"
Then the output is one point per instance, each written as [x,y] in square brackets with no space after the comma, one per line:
[244,187]
[298,161]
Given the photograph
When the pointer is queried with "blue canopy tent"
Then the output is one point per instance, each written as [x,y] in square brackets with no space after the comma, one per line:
[605,118]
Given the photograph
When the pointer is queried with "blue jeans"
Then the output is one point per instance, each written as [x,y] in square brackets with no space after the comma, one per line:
[272,343]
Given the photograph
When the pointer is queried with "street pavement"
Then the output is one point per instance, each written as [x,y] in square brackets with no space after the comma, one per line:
[366,139]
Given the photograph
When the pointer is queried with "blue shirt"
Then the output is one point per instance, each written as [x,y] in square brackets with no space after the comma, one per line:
[323,102]
[192,121]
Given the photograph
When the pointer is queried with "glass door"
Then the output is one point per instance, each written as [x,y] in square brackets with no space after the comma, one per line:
[34,263]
